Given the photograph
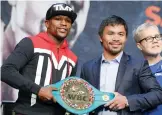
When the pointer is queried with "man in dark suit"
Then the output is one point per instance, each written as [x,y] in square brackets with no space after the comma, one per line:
[115,71]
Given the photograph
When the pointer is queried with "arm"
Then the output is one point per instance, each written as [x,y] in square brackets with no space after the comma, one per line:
[152,92]
[21,55]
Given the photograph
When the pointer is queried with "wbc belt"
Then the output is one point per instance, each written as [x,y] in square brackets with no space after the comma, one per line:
[78,96]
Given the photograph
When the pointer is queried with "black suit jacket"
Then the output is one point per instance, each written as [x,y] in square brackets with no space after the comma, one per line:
[134,80]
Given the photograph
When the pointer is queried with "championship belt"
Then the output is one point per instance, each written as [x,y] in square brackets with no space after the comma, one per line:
[78,96]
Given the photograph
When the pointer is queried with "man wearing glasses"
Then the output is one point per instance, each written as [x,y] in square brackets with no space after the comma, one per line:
[149,41]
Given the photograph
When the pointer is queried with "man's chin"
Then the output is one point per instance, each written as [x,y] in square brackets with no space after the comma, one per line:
[61,38]
[153,54]
[115,52]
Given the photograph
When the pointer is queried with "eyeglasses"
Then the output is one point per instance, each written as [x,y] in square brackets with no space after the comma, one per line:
[151,39]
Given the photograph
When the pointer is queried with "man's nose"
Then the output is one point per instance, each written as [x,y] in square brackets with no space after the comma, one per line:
[115,37]
[63,22]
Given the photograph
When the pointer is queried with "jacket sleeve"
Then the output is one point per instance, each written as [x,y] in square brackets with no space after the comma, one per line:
[152,92]
[10,74]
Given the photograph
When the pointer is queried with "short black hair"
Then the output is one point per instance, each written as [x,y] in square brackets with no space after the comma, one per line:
[112,20]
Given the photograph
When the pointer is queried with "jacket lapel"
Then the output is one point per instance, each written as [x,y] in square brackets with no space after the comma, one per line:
[96,73]
[121,70]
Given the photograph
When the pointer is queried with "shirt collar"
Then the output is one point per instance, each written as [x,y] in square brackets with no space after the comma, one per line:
[117,59]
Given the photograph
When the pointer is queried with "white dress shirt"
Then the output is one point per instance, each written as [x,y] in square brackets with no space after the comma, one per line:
[108,74]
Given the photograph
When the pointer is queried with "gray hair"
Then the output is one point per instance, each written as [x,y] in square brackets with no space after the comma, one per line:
[140,28]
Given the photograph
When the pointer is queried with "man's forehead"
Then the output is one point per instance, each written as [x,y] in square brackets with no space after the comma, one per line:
[61,16]
[115,27]
[150,31]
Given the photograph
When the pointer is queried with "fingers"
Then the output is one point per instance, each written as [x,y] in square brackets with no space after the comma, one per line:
[109,103]
[45,93]
[50,96]
[113,105]
[52,88]
[112,101]
[119,102]
[119,106]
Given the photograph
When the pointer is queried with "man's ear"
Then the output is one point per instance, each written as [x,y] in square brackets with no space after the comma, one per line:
[100,39]
[139,46]
[47,23]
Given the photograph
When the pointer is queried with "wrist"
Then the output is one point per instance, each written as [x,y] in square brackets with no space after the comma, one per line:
[35,89]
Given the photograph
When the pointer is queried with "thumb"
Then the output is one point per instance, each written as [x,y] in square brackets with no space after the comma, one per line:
[54,88]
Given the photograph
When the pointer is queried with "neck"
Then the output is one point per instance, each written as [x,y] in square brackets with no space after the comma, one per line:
[153,59]
[57,42]
[109,56]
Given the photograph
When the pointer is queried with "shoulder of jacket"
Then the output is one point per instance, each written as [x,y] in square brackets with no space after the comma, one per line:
[93,61]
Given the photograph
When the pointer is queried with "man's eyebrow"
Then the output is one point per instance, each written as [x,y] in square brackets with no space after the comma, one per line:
[122,32]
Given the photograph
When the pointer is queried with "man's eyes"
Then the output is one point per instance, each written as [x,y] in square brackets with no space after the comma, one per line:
[148,38]
[57,18]
[110,33]
[157,36]
[121,34]
[66,19]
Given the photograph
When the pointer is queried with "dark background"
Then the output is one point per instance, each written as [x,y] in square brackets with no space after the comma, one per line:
[88,45]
